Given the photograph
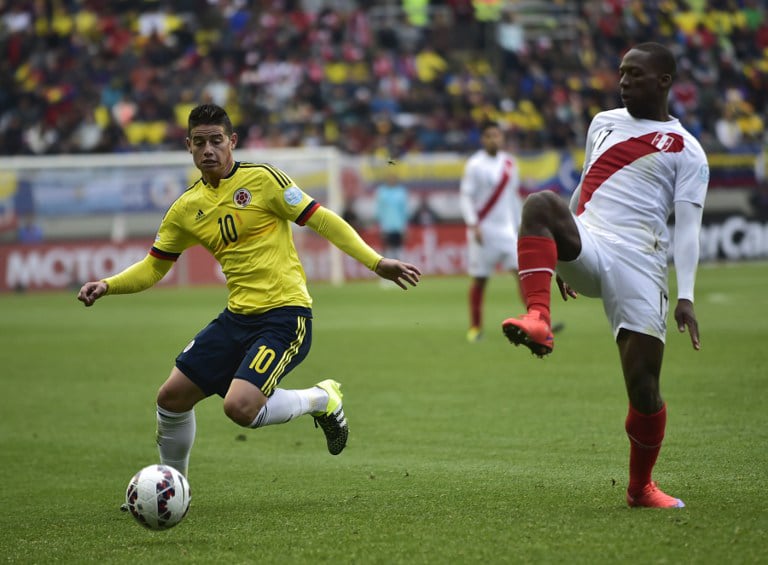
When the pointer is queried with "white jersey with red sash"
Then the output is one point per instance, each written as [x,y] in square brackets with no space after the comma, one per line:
[489,197]
[630,205]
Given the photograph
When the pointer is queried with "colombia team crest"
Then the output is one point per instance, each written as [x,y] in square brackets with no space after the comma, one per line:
[242,197]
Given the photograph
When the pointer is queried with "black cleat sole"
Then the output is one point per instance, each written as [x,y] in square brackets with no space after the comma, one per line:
[517,336]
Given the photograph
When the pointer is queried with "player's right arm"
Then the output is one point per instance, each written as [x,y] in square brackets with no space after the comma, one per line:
[467,190]
[147,272]
[139,276]
[588,148]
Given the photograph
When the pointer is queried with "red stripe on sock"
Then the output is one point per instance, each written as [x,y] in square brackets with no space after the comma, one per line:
[646,433]
[534,252]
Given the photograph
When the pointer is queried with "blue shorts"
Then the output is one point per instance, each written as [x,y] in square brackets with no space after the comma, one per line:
[260,349]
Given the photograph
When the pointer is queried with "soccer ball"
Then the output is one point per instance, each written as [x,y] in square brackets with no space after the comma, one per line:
[158,497]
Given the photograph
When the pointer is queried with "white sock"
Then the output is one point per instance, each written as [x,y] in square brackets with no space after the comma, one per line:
[285,405]
[175,436]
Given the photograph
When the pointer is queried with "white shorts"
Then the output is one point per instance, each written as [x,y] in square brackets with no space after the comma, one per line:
[632,284]
[496,251]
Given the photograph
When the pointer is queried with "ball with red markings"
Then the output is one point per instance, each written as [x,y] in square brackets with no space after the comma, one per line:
[158,497]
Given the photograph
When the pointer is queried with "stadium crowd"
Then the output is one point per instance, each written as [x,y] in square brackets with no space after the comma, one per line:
[84,76]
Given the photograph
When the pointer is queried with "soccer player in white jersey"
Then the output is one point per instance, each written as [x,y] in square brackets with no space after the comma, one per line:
[640,166]
[490,205]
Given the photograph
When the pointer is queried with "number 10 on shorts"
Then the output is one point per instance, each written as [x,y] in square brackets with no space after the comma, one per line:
[262,360]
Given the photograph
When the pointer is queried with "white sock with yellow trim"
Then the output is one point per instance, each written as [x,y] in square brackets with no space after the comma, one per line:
[285,405]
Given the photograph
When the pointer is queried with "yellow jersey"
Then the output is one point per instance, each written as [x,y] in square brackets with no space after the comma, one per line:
[245,224]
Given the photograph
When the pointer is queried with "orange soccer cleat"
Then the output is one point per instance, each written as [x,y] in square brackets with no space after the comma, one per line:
[530,330]
[653,497]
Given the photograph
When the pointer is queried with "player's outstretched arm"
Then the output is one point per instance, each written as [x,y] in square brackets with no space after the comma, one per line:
[686,318]
[398,272]
[90,292]
[139,276]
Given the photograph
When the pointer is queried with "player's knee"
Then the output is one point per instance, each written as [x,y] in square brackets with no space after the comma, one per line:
[542,207]
[178,393]
[240,411]
[168,399]
[645,397]
[542,199]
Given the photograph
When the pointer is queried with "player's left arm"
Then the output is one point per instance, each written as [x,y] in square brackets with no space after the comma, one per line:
[288,201]
[336,230]
[691,182]
[686,257]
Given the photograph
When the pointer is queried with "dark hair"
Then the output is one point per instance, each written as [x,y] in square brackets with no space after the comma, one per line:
[209,114]
[488,124]
[662,57]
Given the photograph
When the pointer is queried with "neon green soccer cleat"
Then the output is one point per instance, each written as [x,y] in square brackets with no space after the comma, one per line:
[474,334]
[332,421]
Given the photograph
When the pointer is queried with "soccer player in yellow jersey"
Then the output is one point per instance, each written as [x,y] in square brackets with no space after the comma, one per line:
[241,213]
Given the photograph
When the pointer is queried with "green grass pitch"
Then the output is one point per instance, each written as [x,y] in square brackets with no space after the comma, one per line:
[458,453]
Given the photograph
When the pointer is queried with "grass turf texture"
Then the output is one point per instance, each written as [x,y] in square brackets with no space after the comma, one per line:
[458,453]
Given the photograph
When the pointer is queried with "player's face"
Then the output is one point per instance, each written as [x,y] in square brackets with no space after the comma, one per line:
[211,149]
[492,140]
[643,89]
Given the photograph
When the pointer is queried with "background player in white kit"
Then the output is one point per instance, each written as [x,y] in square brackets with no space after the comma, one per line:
[640,166]
[491,206]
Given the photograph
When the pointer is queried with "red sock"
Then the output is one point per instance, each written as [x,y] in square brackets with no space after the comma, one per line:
[646,432]
[476,305]
[537,258]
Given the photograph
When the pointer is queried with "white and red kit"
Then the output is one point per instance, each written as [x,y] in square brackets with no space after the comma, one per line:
[490,199]
[636,173]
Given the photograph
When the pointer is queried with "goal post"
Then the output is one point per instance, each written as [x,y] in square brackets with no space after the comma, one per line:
[113,196]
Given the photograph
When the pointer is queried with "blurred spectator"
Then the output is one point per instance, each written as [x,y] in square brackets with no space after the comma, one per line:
[759,198]
[424,215]
[40,138]
[684,93]
[29,231]
[350,214]
[88,134]
[727,127]
[392,214]
[510,36]
[430,66]
[417,12]
[738,128]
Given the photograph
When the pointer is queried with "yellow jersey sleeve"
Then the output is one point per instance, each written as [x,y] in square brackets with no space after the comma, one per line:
[139,276]
[333,228]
